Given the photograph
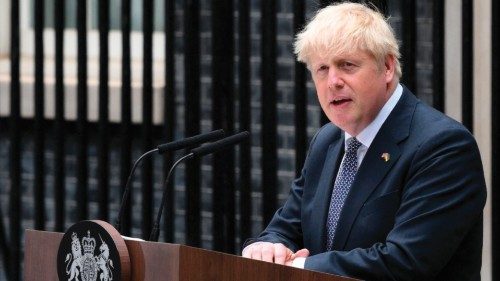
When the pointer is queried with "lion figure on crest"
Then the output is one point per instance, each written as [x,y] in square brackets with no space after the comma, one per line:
[74,259]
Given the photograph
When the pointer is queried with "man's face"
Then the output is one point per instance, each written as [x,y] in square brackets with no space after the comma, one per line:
[352,88]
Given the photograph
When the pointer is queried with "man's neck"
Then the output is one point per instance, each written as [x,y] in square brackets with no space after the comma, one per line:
[391,86]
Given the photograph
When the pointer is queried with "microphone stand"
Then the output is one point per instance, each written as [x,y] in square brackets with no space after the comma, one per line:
[166,191]
[127,189]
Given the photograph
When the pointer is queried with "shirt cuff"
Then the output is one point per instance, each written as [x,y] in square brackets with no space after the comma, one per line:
[299,262]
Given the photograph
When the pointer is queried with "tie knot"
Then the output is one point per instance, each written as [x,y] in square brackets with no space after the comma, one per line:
[352,145]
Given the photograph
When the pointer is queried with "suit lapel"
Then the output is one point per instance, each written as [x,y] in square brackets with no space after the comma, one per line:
[373,168]
[321,199]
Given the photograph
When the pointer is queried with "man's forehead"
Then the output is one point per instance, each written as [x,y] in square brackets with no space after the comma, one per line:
[331,56]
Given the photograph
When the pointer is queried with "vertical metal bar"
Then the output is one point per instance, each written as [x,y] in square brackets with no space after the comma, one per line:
[59,128]
[147,120]
[39,134]
[269,100]
[438,55]
[300,94]
[408,48]
[126,121]
[82,134]
[103,147]
[467,61]
[223,117]
[15,147]
[192,116]
[169,113]
[495,141]
[245,119]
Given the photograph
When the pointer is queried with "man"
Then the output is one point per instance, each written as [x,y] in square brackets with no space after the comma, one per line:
[391,189]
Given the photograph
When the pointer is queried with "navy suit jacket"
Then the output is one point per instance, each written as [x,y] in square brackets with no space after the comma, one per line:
[417,216]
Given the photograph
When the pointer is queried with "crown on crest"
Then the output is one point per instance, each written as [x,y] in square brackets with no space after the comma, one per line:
[88,244]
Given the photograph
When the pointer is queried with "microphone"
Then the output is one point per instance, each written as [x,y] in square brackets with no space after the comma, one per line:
[220,144]
[162,148]
[191,141]
[196,152]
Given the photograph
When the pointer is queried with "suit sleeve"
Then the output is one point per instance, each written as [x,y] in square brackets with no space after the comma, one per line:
[442,199]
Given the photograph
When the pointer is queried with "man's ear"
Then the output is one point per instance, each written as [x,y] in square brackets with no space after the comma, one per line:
[389,68]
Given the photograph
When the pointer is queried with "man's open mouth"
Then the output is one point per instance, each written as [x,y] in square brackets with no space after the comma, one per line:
[340,101]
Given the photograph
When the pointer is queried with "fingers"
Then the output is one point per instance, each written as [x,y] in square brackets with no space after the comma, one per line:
[254,251]
[248,250]
[299,255]
[265,251]
[302,253]
[281,253]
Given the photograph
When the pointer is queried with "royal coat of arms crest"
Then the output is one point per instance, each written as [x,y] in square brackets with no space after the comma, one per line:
[86,265]
[93,250]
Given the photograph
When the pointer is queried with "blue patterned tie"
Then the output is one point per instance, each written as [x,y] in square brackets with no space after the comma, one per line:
[341,188]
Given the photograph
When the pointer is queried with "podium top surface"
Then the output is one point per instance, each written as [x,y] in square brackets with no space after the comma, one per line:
[164,261]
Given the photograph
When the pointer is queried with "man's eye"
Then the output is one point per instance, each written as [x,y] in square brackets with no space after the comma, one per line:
[347,65]
[322,68]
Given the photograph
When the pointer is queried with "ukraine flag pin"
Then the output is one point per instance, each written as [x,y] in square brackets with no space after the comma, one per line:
[385,156]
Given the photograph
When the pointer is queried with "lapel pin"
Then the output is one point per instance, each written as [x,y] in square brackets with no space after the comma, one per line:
[386,157]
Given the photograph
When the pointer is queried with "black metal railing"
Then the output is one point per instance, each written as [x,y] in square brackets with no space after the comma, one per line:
[103,141]
[467,62]
[169,112]
[244,89]
[82,108]
[39,130]
[192,116]
[13,254]
[59,128]
[126,110]
[223,197]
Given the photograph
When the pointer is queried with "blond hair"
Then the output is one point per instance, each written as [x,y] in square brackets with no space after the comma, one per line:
[345,27]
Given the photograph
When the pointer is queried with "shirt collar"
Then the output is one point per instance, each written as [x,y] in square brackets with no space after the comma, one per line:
[367,135]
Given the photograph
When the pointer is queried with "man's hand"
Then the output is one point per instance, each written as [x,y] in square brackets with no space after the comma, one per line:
[273,252]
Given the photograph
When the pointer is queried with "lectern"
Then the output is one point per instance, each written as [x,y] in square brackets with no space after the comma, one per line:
[168,262]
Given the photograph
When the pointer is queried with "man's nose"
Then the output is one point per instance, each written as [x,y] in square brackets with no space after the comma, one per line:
[334,79]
